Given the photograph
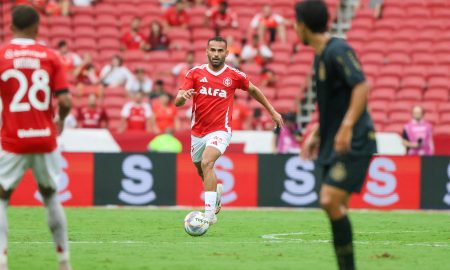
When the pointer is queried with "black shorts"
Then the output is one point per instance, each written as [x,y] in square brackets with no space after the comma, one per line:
[346,172]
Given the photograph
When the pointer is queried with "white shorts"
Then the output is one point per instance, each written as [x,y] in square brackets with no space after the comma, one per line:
[46,168]
[217,139]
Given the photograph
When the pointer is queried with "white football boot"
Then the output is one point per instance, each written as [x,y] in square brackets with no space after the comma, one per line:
[212,220]
[219,190]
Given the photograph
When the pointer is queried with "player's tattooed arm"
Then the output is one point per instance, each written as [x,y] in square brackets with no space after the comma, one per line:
[183,96]
[257,94]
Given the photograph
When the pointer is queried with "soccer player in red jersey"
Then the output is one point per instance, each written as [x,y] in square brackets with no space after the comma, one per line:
[30,74]
[212,87]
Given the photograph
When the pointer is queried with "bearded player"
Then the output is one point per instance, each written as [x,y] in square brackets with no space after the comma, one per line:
[212,87]
[30,74]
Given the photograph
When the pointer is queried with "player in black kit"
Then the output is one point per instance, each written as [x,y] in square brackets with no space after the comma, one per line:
[344,140]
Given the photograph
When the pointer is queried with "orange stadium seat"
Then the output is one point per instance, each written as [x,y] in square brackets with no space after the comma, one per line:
[400,106]
[106,20]
[438,94]
[83,20]
[444,118]
[410,94]
[391,70]
[413,82]
[439,82]
[385,94]
[106,9]
[85,32]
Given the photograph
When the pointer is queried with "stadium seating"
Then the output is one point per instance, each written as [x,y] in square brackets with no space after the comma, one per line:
[407,53]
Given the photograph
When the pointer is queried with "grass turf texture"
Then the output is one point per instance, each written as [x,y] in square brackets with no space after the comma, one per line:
[132,238]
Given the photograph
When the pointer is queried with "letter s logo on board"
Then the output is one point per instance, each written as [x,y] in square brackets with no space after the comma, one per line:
[299,187]
[382,183]
[137,187]
[447,196]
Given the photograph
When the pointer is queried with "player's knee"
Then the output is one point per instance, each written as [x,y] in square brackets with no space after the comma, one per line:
[326,203]
[207,164]
[46,192]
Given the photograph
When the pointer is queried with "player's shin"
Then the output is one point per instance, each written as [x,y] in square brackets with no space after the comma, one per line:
[58,226]
[343,243]
[3,234]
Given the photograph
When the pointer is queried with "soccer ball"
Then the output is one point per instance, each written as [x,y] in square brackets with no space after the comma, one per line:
[196,224]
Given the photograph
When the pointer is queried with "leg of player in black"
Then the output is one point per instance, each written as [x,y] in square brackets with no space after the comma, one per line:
[58,225]
[335,203]
[4,200]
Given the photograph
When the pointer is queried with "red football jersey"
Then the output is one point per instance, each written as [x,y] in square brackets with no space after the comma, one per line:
[30,74]
[212,109]
[136,115]
[92,117]
[165,117]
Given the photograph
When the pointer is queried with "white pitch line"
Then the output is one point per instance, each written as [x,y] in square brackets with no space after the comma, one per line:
[278,237]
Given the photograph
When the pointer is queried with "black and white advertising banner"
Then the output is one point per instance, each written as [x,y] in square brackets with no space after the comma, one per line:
[134,179]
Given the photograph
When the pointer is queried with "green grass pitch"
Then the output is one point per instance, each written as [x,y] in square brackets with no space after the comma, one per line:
[143,238]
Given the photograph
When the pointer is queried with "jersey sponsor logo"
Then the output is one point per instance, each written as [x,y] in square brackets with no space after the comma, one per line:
[227,82]
[381,186]
[32,133]
[224,170]
[300,182]
[10,54]
[213,92]
[204,80]
[447,196]
[137,185]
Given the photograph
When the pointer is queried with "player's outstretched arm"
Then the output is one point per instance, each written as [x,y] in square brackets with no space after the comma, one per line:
[358,102]
[256,93]
[64,107]
[183,96]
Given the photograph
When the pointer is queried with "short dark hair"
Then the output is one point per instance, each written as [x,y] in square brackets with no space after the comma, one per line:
[218,39]
[62,43]
[314,14]
[24,16]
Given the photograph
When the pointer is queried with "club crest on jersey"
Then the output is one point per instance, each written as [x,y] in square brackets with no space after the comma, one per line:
[213,92]
[227,82]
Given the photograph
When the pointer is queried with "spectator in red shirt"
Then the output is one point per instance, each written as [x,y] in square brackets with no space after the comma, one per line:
[269,22]
[92,116]
[157,40]
[134,39]
[86,74]
[240,119]
[268,78]
[137,115]
[165,112]
[221,18]
[177,16]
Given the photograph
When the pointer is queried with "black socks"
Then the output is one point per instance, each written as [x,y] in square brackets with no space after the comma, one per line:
[343,243]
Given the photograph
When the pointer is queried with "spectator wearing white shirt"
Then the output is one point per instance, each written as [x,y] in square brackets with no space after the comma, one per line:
[139,82]
[70,60]
[83,3]
[256,52]
[270,22]
[115,74]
